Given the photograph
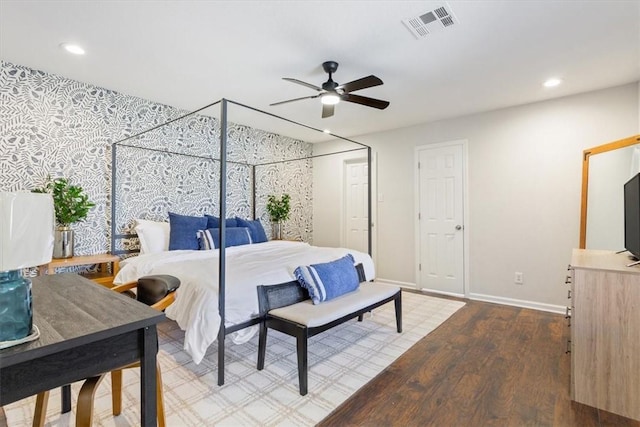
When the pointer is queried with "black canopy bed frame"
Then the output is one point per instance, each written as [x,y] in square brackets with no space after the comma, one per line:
[117,236]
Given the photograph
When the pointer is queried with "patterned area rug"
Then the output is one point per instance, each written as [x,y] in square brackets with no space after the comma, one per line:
[341,361]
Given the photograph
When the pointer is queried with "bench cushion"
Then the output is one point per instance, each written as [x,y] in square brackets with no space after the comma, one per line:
[311,315]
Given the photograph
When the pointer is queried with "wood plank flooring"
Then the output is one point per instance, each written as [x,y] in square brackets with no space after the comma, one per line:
[488,365]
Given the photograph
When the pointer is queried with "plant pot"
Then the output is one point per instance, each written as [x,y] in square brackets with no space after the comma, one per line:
[63,243]
[276,231]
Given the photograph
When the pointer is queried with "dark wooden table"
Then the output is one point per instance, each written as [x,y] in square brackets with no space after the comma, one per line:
[85,330]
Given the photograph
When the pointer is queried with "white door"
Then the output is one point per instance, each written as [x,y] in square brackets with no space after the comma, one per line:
[356,193]
[440,218]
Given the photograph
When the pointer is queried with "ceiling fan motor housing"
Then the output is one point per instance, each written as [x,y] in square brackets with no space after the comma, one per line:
[330,66]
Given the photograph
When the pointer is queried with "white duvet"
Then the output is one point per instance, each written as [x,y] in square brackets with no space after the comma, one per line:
[196,306]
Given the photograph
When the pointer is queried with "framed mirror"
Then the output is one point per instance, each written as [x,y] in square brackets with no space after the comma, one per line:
[605,169]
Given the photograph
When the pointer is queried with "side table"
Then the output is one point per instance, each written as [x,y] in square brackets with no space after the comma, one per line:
[103,276]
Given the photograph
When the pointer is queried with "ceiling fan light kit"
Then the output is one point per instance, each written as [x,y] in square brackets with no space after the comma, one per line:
[329,99]
[332,93]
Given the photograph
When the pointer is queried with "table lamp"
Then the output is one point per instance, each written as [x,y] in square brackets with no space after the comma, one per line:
[26,240]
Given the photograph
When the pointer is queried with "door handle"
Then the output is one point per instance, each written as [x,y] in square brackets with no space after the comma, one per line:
[458,227]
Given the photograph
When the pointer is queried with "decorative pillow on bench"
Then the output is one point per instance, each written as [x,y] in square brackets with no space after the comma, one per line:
[328,280]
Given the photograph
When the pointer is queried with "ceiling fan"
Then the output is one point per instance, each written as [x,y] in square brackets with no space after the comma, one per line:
[331,92]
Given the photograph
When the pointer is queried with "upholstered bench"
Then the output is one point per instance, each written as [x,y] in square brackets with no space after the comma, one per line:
[287,308]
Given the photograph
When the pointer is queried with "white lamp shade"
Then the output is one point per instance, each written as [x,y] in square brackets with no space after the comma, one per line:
[26,230]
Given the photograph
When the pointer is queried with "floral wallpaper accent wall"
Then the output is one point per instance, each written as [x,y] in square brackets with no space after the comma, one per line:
[52,125]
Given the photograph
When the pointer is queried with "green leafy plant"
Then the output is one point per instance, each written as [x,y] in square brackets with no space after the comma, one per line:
[70,202]
[278,208]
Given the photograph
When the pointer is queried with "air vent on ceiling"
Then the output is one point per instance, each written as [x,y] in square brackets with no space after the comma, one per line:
[434,20]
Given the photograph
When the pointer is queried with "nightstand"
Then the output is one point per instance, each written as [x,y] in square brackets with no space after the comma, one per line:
[102,276]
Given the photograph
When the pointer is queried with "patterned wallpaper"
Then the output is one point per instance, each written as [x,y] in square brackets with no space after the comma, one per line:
[51,125]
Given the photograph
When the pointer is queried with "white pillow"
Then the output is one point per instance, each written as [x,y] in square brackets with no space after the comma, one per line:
[153,235]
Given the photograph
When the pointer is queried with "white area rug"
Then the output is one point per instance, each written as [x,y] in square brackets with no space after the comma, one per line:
[341,361]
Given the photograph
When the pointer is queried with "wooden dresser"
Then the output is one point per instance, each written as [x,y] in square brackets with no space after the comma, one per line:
[605,331]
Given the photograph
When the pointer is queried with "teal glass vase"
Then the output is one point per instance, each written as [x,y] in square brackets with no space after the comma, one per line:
[16,310]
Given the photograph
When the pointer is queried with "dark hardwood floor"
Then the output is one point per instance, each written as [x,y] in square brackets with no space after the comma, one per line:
[488,365]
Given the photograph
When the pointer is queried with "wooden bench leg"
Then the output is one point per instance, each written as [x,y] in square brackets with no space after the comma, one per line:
[262,345]
[303,367]
[398,304]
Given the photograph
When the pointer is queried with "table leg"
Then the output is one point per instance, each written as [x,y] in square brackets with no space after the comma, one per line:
[148,410]
[65,392]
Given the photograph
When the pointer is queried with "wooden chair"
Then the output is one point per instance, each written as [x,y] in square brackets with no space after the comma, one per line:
[156,291]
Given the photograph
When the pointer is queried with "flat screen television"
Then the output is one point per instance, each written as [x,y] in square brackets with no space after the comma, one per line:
[632,216]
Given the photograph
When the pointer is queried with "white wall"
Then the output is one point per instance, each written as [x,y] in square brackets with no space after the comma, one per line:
[524,189]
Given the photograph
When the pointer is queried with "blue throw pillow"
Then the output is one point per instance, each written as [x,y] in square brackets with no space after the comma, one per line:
[235,236]
[214,222]
[255,228]
[183,231]
[328,280]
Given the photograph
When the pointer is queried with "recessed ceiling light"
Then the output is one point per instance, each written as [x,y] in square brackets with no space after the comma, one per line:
[327,131]
[72,48]
[552,82]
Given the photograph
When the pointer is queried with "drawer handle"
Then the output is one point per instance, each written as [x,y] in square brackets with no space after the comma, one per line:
[568,347]
[569,294]
[569,267]
[567,313]
[567,280]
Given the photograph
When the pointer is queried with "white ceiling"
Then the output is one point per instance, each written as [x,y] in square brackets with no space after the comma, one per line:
[190,53]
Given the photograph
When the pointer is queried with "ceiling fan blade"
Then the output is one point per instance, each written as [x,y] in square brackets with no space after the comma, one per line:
[300,82]
[327,110]
[363,83]
[295,99]
[363,100]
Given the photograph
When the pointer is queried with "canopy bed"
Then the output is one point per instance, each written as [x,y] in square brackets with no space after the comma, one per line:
[202,163]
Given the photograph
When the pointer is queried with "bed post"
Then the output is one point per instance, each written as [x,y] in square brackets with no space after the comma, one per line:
[370,220]
[223,227]
[253,190]
[113,197]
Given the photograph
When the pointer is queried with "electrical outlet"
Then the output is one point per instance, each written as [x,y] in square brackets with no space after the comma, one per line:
[519,278]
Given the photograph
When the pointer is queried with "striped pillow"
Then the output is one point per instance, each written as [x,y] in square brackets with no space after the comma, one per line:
[328,280]
[235,236]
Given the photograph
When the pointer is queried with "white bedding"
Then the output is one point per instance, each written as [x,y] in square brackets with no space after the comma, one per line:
[196,306]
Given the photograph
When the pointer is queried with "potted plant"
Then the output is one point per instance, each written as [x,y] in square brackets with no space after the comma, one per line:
[71,205]
[278,210]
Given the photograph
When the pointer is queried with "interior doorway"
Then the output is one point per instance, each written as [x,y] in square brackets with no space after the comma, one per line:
[440,240]
[355,232]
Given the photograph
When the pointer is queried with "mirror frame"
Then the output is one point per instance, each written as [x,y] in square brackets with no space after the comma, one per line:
[586,155]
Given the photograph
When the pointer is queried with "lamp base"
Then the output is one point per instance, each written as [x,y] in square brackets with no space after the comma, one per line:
[16,311]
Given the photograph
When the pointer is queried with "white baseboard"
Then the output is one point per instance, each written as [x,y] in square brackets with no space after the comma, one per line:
[519,303]
[561,309]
